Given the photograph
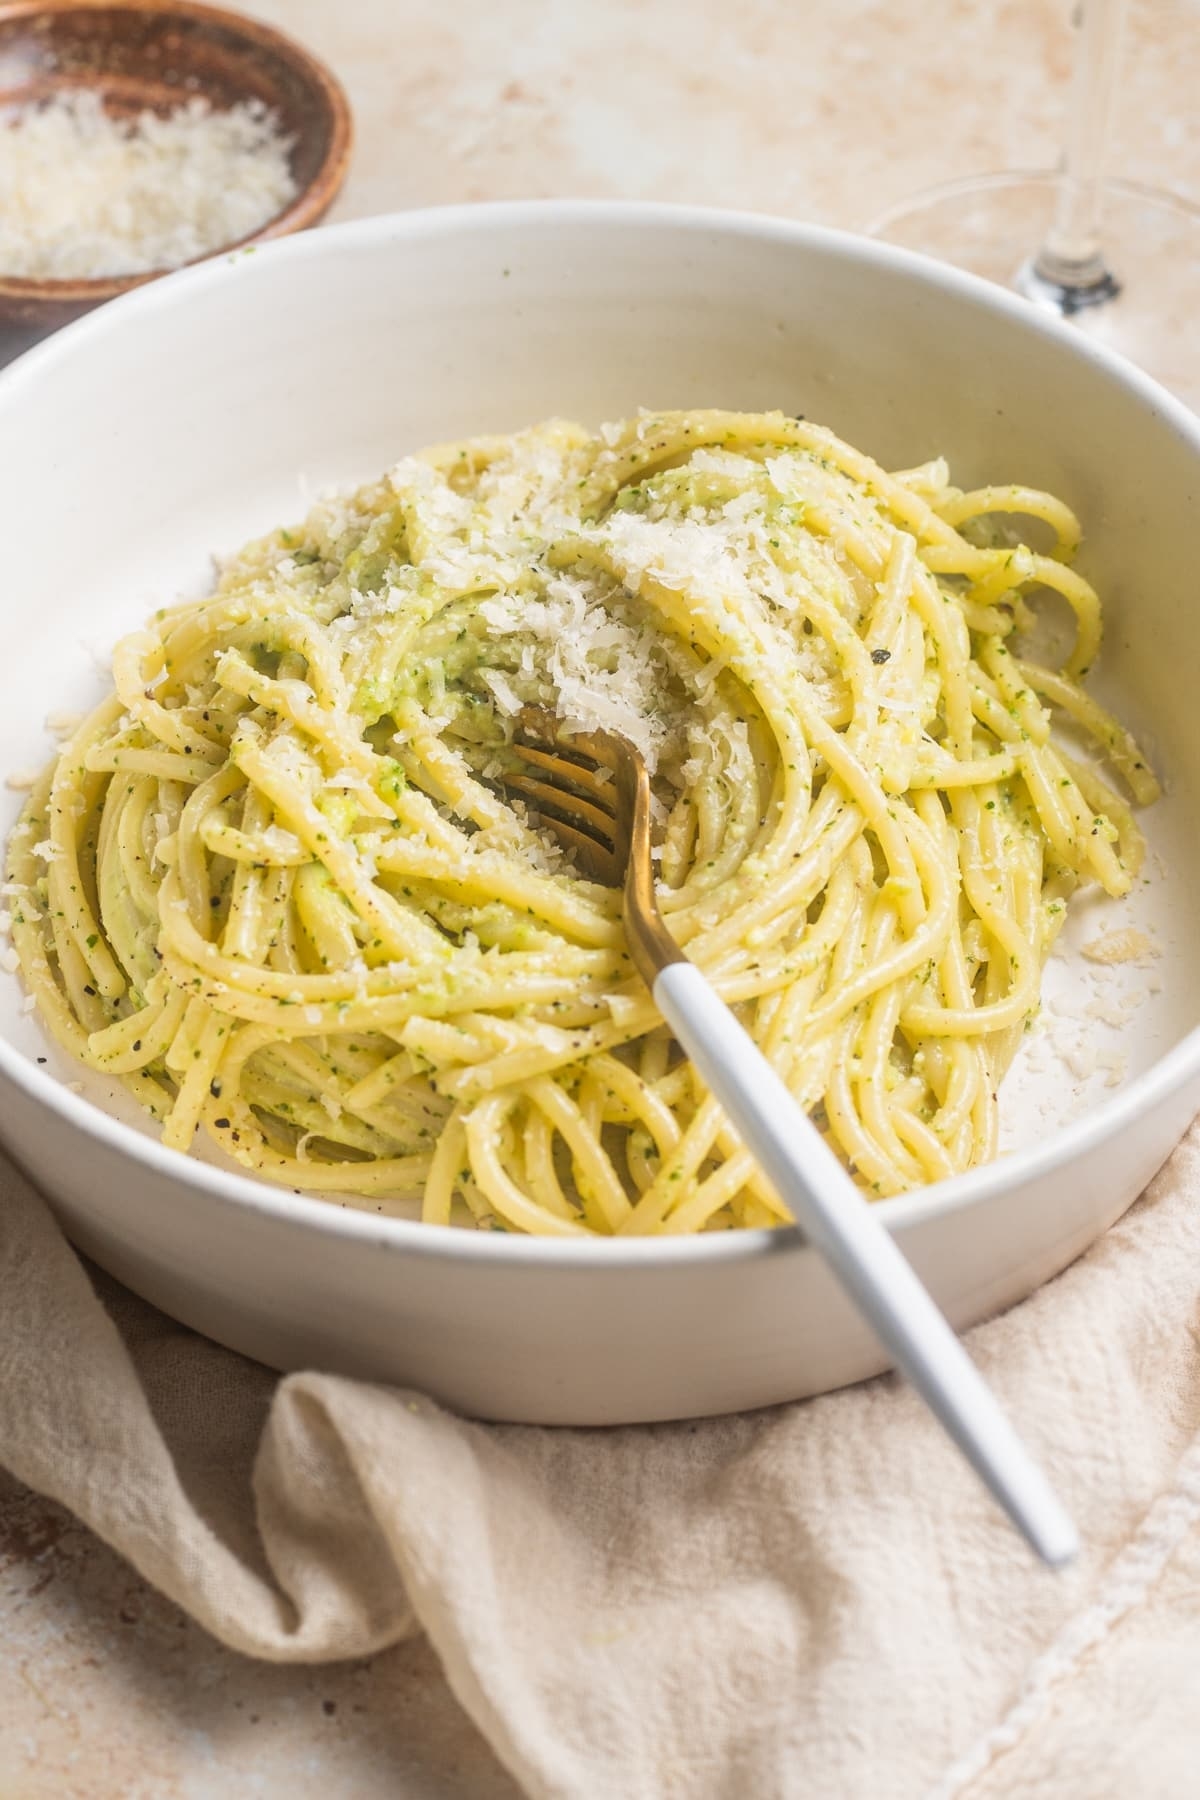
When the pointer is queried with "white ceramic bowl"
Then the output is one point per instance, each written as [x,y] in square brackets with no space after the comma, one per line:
[179,421]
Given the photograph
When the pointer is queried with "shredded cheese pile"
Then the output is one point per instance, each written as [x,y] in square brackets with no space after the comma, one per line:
[85,195]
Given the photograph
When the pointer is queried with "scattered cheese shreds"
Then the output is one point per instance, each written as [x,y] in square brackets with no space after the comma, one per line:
[1126,946]
[83,195]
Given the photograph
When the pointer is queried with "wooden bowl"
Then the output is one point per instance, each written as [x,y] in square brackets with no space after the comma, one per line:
[158,54]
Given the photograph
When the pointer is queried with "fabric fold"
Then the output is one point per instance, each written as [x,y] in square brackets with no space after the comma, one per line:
[811,1600]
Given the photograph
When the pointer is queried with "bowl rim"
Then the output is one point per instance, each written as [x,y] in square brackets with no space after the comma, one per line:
[306,206]
[411,1237]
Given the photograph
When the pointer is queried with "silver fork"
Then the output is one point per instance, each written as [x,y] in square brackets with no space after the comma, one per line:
[592,790]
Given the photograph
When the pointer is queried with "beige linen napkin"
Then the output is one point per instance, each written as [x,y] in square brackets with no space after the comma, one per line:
[817,1600]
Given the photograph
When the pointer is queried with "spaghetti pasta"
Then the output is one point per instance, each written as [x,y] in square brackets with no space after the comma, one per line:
[276,884]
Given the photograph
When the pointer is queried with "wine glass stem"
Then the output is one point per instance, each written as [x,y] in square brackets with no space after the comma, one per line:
[1069,270]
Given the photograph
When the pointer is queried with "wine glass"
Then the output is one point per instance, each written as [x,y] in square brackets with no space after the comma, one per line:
[1120,260]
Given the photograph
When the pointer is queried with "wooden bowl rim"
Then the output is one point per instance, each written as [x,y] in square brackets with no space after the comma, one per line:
[304,209]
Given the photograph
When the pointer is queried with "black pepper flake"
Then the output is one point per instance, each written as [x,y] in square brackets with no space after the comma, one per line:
[881,656]
[214,1088]
[88,989]
[41,1059]
[137,1043]
[221,1124]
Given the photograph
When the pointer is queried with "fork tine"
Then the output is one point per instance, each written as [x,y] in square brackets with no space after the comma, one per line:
[579,827]
[544,793]
[575,787]
[598,861]
[579,773]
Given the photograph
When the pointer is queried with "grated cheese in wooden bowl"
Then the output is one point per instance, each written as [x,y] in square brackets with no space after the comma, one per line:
[84,195]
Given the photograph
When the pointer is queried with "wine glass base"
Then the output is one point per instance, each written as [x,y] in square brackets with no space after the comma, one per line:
[1147,307]
[1065,297]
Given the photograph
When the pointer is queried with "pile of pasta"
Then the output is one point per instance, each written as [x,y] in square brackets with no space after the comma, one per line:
[278,885]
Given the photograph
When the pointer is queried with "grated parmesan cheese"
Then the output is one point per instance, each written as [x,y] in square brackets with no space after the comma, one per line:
[277,841]
[603,668]
[83,195]
[1125,946]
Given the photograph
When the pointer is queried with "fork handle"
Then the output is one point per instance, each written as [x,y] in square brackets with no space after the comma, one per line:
[840,1223]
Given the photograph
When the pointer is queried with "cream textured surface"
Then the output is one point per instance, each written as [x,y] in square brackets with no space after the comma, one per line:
[986,1677]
